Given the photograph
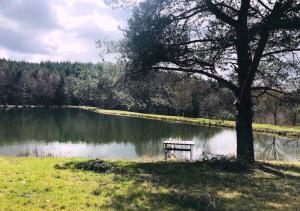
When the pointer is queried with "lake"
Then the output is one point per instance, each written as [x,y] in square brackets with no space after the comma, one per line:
[78,133]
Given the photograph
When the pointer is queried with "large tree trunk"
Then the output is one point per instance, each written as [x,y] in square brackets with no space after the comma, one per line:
[294,118]
[245,149]
[275,117]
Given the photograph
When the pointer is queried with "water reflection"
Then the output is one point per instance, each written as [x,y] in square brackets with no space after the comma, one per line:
[272,148]
[71,132]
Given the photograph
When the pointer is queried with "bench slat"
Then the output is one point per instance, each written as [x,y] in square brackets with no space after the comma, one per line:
[177,149]
[179,142]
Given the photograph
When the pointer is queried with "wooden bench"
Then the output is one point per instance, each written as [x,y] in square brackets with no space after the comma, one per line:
[170,146]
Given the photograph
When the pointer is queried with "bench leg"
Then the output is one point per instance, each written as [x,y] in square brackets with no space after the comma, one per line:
[166,154]
[166,151]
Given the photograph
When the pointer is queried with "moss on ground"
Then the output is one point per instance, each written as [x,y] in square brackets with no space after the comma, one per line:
[80,184]
[287,131]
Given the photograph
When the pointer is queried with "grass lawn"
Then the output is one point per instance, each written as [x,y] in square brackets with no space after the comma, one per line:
[288,131]
[81,184]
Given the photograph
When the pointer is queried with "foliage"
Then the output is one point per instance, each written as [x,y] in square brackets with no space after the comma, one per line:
[107,85]
[205,37]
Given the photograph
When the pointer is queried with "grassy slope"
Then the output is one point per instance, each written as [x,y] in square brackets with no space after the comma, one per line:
[264,128]
[57,183]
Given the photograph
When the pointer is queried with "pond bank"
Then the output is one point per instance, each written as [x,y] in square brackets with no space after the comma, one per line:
[81,184]
[287,131]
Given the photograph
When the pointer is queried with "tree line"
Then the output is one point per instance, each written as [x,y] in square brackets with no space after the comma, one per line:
[109,86]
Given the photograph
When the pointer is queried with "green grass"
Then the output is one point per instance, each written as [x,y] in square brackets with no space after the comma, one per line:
[287,131]
[79,184]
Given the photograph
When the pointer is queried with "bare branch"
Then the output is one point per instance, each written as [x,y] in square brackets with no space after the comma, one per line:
[264,5]
[268,89]
[221,80]
[219,14]
[280,51]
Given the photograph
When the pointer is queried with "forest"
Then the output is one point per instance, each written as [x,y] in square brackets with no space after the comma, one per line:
[110,86]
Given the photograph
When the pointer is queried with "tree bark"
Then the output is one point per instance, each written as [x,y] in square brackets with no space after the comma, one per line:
[275,117]
[294,120]
[245,148]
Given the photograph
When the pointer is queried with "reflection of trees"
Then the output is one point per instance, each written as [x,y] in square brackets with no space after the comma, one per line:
[277,149]
[271,152]
[294,146]
[72,125]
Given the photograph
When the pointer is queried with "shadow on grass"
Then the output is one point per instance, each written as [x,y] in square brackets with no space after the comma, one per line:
[206,185]
[279,170]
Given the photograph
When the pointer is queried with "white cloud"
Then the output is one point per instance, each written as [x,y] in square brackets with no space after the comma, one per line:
[67,33]
[97,3]
[4,54]
[7,23]
[102,21]
[60,43]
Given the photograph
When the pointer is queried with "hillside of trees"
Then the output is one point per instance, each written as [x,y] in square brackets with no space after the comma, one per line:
[107,85]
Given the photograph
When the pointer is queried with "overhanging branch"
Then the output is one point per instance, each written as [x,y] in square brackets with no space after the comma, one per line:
[268,89]
[221,80]
[219,14]
[280,51]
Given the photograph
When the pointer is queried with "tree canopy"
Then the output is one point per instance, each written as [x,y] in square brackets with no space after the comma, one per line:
[207,37]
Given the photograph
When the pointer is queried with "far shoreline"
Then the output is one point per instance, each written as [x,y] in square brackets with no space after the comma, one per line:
[268,129]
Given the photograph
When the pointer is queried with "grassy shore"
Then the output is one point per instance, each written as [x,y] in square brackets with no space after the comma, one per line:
[287,131]
[80,184]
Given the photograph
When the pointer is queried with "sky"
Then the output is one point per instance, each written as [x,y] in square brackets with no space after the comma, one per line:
[57,30]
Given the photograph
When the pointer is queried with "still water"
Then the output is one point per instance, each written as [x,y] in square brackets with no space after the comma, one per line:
[76,133]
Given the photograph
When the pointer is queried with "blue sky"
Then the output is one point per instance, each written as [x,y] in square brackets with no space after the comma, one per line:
[57,30]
